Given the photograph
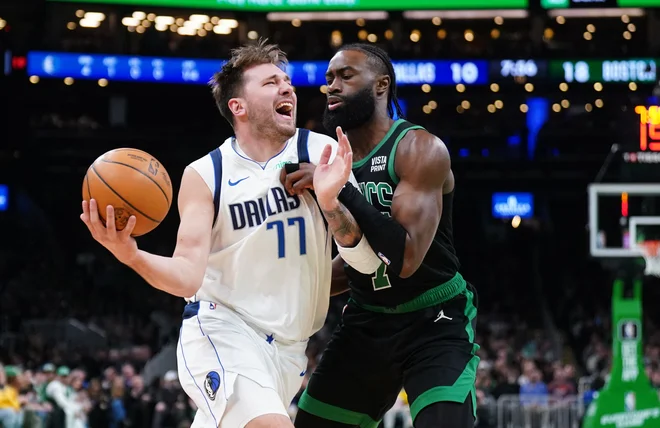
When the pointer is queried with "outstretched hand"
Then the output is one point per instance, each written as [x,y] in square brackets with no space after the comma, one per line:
[119,242]
[330,178]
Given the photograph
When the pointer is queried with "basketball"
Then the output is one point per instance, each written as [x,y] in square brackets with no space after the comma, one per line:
[134,183]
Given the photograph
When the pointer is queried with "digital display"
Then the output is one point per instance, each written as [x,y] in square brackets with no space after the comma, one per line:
[312,73]
[564,4]
[4,197]
[508,205]
[640,70]
[649,128]
[321,5]
[647,148]
[200,71]
[518,68]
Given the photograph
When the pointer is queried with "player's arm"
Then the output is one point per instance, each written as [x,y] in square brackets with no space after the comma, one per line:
[423,165]
[183,273]
[339,282]
[328,179]
[341,223]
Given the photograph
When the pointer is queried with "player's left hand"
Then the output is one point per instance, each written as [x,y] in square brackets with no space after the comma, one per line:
[330,178]
[296,182]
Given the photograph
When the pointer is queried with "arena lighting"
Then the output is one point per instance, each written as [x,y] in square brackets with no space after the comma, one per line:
[89,23]
[466,14]
[596,13]
[327,16]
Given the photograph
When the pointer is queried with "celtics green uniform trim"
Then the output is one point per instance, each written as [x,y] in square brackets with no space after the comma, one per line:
[432,297]
[395,145]
[334,413]
[465,383]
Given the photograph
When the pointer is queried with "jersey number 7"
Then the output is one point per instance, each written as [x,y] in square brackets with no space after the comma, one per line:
[380,279]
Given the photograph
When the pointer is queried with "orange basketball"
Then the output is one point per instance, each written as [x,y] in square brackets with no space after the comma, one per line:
[134,183]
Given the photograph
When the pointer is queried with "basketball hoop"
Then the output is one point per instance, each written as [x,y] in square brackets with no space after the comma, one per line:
[650,251]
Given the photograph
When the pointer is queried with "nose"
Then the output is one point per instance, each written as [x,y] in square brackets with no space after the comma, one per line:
[286,88]
[334,87]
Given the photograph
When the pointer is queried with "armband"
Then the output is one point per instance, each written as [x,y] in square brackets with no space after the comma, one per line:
[385,235]
[361,257]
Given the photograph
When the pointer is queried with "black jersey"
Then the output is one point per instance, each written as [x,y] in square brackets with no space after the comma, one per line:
[377,179]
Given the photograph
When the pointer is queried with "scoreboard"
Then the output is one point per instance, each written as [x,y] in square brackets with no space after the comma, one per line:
[564,4]
[321,5]
[312,73]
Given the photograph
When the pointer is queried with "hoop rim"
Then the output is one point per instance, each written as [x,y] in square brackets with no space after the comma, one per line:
[650,247]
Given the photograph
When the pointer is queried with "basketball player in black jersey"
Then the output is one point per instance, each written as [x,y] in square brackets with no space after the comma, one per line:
[411,323]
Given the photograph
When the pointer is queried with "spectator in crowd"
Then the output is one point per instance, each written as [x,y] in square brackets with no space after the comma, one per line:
[534,392]
[11,414]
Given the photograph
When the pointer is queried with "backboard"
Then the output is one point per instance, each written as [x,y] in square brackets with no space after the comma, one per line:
[625,210]
[621,215]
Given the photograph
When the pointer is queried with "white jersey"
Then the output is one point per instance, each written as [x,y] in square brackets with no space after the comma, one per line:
[270,258]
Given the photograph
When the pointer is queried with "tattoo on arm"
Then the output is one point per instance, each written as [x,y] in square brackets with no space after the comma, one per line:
[343,226]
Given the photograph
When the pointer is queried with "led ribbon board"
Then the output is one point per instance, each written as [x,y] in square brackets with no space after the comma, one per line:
[581,4]
[200,71]
[320,5]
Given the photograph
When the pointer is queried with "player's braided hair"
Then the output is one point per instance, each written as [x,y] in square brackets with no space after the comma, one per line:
[381,60]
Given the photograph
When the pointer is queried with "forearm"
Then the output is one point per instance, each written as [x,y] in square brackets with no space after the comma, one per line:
[341,223]
[339,282]
[173,275]
[386,236]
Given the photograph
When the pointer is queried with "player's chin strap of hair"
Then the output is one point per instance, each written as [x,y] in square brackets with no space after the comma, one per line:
[386,236]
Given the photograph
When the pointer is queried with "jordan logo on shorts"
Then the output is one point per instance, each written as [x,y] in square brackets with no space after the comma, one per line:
[442,316]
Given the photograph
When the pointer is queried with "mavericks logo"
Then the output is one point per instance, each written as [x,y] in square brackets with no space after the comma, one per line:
[212,384]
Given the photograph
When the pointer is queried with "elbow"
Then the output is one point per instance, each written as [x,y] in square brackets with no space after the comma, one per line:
[409,268]
[191,286]
[187,291]
[189,279]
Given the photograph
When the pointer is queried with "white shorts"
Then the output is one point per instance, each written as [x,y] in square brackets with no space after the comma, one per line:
[232,371]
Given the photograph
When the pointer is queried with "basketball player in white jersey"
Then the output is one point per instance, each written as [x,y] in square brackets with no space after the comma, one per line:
[253,262]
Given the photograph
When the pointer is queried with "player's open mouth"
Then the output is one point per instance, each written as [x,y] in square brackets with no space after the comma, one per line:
[334,103]
[285,109]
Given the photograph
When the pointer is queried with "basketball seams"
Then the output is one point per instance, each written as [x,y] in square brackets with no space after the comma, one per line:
[143,173]
[120,197]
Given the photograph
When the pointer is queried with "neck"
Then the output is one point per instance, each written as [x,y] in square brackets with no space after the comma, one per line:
[367,136]
[259,148]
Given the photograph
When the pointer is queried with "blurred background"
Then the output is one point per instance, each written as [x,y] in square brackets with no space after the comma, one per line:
[534,99]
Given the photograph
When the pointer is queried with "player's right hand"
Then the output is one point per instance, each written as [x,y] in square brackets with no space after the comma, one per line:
[298,181]
[120,243]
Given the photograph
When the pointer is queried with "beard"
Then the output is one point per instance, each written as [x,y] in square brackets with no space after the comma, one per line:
[355,111]
[264,123]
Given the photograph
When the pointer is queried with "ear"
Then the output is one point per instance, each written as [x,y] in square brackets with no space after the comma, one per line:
[237,107]
[383,84]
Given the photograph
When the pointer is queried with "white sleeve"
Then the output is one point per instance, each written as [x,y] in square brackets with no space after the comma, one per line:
[361,257]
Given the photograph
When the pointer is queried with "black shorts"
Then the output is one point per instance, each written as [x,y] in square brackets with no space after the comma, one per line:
[430,353]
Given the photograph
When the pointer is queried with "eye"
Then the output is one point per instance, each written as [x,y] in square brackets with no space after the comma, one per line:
[346,76]
[269,83]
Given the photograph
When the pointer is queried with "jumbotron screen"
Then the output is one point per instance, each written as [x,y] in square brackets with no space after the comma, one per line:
[579,4]
[321,5]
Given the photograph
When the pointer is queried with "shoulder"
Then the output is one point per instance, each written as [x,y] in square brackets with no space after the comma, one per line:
[421,153]
[320,140]
[316,143]
[205,168]
[420,142]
